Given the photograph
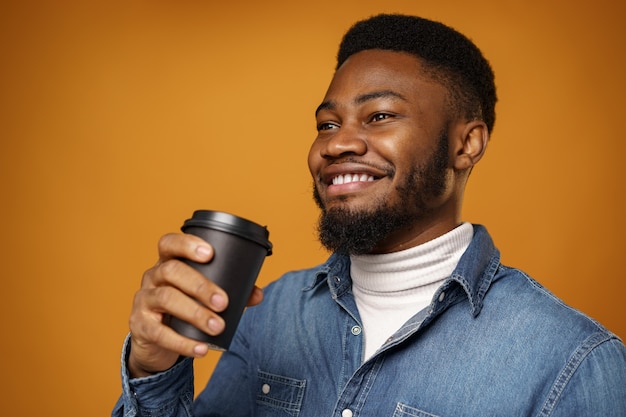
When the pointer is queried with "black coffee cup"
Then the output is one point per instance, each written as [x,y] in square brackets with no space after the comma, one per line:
[240,247]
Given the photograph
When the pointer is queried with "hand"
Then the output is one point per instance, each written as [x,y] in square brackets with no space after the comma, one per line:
[172,287]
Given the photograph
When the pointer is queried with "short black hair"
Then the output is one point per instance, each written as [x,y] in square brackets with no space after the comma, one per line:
[451,58]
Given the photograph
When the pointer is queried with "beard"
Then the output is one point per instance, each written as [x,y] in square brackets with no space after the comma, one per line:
[357,232]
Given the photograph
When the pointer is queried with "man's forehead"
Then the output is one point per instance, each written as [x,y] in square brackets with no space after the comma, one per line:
[381,73]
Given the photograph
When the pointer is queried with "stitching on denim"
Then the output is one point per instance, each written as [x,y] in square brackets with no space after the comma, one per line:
[570,368]
[186,399]
[486,280]
[291,384]
[405,410]
[543,290]
[368,383]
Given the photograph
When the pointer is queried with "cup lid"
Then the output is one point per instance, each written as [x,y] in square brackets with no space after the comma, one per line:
[230,223]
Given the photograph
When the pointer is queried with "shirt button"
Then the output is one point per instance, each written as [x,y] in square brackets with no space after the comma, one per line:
[265,388]
[346,413]
[442,296]
[356,330]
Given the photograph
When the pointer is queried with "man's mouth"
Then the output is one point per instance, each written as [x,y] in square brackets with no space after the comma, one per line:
[352,176]
[349,178]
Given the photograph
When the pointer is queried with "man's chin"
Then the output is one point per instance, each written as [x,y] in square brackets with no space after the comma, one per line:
[351,205]
[352,226]
[352,231]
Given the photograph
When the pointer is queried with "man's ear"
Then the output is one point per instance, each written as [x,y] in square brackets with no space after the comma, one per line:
[471,145]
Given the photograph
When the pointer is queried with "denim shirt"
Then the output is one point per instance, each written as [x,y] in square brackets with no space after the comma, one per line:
[493,342]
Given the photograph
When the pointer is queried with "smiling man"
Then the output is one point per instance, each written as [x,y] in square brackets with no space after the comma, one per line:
[413,314]
[391,157]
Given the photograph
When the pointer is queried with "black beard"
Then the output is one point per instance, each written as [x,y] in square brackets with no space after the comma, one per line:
[351,232]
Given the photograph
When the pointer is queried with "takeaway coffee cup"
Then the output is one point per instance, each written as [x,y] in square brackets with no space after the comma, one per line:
[240,247]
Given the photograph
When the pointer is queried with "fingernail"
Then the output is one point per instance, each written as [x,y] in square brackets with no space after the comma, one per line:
[215,325]
[218,302]
[203,251]
[200,350]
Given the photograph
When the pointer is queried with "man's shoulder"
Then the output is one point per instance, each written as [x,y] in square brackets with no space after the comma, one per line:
[528,303]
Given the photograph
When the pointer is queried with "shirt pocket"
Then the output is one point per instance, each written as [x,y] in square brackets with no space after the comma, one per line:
[406,411]
[279,395]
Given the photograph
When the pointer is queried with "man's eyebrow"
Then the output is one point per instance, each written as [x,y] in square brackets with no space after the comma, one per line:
[326,105]
[378,94]
[363,98]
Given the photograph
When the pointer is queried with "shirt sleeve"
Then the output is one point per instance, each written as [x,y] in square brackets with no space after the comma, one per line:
[166,394]
[597,387]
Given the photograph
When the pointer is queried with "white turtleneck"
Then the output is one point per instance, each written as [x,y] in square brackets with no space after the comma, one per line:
[391,288]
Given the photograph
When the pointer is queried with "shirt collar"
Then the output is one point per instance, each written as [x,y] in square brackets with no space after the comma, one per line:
[474,273]
[477,268]
[334,270]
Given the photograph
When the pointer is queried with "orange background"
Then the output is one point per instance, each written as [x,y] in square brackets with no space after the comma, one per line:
[118,119]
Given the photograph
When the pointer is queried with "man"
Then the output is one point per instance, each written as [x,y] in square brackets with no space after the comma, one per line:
[413,314]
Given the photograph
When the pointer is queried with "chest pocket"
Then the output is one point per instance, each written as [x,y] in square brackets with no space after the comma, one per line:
[279,395]
[406,411]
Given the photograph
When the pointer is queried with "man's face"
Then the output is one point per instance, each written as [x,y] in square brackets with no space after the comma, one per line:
[380,162]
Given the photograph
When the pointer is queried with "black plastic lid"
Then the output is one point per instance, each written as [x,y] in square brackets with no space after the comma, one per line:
[230,223]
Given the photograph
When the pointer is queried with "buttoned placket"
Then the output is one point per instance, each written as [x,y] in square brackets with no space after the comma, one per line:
[341,290]
[360,380]
[358,385]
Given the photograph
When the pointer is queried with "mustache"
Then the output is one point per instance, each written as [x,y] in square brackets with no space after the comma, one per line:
[387,168]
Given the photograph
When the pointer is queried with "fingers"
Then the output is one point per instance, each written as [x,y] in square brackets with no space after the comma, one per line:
[175,288]
[177,274]
[181,245]
[171,271]
[172,287]
[150,333]
[147,358]
[155,346]
[170,300]
[256,297]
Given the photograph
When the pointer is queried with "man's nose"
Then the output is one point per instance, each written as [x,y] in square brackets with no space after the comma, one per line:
[349,139]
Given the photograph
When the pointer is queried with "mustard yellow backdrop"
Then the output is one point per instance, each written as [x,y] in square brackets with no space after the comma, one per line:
[118,119]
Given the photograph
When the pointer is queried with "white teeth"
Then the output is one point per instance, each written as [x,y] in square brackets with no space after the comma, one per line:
[348,178]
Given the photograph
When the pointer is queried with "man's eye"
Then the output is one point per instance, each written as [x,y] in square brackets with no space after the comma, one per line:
[381,116]
[326,126]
